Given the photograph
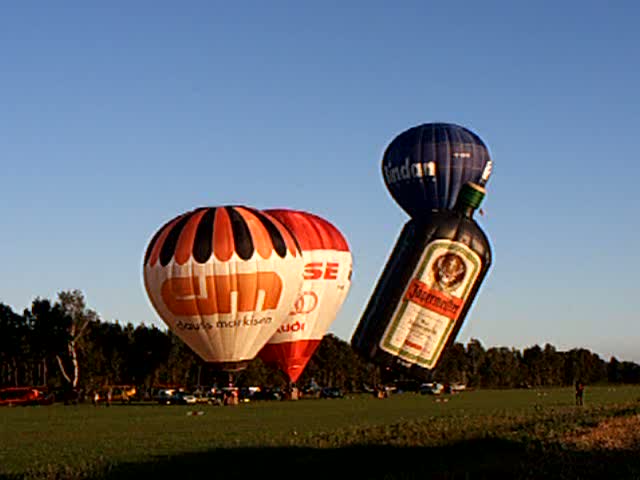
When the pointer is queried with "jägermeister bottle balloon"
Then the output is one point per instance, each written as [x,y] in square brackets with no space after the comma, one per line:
[426,289]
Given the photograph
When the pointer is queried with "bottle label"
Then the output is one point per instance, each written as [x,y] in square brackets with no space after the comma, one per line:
[431,303]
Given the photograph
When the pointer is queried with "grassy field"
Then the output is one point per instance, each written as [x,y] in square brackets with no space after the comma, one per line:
[513,433]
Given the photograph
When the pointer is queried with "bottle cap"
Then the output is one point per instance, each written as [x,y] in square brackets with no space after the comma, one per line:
[471,194]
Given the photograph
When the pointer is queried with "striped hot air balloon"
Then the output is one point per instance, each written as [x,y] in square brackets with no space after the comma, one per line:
[327,278]
[223,279]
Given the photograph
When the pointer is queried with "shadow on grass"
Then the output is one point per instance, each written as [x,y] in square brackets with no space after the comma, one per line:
[486,458]
[483,458]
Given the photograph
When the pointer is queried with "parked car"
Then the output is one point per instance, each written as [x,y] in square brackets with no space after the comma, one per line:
[331,392]
[184,398]
[215,398]
[201,397]
[23,396]
[164,396]
[431,388]
[458,387]
[175,397]
[123,393]
[402,386]
[311,391]
[267,394]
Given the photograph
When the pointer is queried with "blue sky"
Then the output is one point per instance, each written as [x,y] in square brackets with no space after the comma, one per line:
[116,118]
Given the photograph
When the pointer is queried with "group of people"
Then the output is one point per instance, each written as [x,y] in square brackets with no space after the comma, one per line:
[231,397]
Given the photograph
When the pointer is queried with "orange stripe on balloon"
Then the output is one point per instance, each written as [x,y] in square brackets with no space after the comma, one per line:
[271,284]
[247,293]
[301,227]
[184,246]
[311,231]
[223,244]
[315,235]
[261,238]
[155,253]
[330,235]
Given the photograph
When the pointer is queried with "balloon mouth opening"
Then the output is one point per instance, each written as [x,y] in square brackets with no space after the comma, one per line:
[231,366]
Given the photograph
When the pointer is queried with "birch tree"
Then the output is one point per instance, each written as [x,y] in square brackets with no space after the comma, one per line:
[77,317]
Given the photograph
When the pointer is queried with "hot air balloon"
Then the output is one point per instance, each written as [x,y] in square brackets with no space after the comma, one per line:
[223,279]
[327,278]
[426,289]
[425,167]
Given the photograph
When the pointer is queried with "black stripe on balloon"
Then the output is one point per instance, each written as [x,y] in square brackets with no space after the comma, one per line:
[440,133]
[473,138]
[277,240]
[203,241]
[466,138]
[241,234]
[170,243]
[154,241]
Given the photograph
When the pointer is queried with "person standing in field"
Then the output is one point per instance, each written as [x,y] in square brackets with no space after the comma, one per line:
[579,393]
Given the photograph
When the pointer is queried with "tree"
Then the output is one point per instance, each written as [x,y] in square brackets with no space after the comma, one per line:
[75,320]
[580,364]
[501,368]
[614,371]
[47,334]
[181,367]
[13,346]
[630,372]
[533,360]
[335,364]
[68,335]
[552,366]
[149,352]
[454,365]
[475,357]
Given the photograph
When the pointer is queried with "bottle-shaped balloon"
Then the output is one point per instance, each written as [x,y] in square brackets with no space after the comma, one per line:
[425,167]
[223,279]
[327,278]
[426,288]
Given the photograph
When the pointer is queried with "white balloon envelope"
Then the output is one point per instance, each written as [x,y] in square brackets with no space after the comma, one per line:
[224,280]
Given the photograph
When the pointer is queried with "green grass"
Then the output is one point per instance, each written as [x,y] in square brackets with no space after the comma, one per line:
[405,436]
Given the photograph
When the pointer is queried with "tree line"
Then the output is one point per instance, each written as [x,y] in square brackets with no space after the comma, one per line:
[63,344]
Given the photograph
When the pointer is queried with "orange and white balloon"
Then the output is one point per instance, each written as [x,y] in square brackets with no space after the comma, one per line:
[223,279]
